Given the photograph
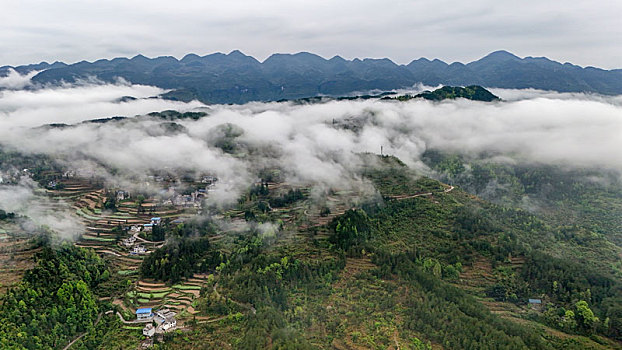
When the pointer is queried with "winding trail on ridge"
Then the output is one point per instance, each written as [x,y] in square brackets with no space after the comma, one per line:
[402,197]
[83,334]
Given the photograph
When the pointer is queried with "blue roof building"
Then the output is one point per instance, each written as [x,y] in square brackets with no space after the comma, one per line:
[144,313]
[535,301]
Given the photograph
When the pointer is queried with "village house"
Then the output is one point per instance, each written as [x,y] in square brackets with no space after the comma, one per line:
[123,195]
[156,221]
[139,249]
[165,319]
[128,242]
[147,227]
[149,330]
[144,314]
[182,200]
[535,304]
[162,314]
[208,179]
[210,188]
[169,324]
[147,343]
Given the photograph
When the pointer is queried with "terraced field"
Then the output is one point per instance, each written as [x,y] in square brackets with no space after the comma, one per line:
[103,234]
[180,298]
[16,256]
[100,224]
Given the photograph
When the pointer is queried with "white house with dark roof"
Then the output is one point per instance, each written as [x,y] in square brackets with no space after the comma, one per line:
[165,319]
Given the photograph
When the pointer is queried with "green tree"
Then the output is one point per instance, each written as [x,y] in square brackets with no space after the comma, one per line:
[585,316]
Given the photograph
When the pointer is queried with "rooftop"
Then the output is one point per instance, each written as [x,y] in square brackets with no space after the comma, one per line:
[144,310]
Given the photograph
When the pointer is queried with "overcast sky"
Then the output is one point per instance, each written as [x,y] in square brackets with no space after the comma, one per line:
[581,32]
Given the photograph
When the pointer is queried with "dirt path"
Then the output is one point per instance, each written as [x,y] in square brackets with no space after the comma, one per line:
[133,321]
[251,308]
[402,197]
[213,319]
[99,317]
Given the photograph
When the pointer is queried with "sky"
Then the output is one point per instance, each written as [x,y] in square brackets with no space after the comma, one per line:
[587,33]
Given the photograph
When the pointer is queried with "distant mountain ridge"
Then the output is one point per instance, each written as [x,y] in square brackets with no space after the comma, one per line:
[238,78]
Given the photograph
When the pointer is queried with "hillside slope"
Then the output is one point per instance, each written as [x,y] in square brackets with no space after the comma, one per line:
[238,78]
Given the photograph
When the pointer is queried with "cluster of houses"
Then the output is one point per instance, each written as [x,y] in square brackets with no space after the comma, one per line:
[12,176]
[187,200]
[130,242]
[158,178]
[209,180]
[164,320]
[153,222]
[138,249]
[135,249]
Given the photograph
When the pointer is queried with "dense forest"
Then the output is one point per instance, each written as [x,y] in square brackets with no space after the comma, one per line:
[55,300]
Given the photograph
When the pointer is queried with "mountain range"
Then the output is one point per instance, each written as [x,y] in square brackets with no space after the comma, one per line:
[238,78]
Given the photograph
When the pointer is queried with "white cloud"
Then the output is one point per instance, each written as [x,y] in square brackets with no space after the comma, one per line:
[14,80]
[38,211]
[310,143]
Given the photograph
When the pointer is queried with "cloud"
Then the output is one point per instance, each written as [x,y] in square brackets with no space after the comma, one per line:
[311,144]
[38,211]
[14,80]
[76,103]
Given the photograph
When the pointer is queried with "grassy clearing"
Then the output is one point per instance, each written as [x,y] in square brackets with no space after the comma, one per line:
[127,272]
[158,295]
[186,287]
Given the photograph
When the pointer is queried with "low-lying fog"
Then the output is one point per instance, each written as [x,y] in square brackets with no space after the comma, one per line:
[311,143]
